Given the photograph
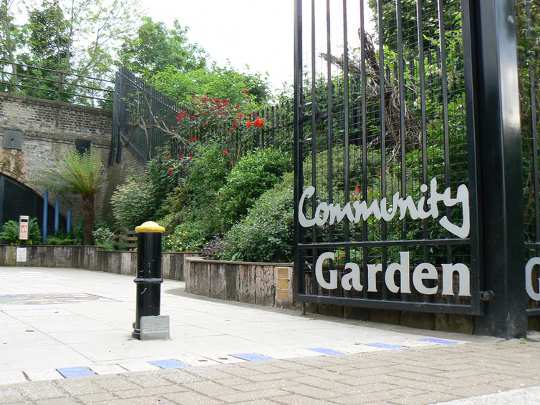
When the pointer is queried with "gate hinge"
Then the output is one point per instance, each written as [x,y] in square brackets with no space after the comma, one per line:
[486,295]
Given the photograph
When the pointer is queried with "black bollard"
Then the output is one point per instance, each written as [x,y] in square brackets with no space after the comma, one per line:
[149,277]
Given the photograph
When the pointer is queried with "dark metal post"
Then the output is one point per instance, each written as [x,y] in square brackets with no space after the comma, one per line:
[56,216]
[298,144]
[68,221]
[45,225]
[501,206]
[149,276]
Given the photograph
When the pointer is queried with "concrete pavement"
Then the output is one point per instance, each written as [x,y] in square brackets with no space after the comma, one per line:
[412,377]
[56,319]
[65,339]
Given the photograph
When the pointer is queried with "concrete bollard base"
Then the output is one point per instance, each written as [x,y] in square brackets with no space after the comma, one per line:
[154,328]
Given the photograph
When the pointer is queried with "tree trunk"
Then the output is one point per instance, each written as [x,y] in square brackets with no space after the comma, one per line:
[89,216]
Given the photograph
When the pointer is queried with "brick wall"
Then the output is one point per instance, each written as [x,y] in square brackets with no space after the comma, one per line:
[45,131]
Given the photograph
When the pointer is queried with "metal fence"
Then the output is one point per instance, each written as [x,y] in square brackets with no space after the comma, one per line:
[50,84]
[528,17]
[381,115]
[146,121]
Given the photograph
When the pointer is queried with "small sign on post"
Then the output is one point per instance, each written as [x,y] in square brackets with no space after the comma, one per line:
[23,227]
[22,255]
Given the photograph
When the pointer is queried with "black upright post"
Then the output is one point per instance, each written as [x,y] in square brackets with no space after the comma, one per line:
[298,145]
[496,92]
[149,277]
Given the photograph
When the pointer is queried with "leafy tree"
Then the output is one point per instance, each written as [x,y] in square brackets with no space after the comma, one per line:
[49,46]
[157,47]
[97,29]
[78,37]
[8,31]
[79,174]
[409,21]
[222,82]
[10,38]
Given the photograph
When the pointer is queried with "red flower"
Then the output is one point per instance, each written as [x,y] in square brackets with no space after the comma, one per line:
[357,189]
[181,116]
[170,171]
[194,138]
[248,124]
[225,152]
[259,122]
[190,156]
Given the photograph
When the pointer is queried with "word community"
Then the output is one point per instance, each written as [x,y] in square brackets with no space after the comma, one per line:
[333,213]
[424,276]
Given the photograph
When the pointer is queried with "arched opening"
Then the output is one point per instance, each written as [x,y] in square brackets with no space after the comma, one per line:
[17,199]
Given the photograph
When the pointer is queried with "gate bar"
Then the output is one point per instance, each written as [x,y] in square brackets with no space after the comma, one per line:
[501,200]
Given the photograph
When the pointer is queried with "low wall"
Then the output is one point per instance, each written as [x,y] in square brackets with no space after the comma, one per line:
[254,283]
[91,258]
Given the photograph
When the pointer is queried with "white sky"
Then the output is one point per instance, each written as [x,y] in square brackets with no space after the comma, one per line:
[257,33]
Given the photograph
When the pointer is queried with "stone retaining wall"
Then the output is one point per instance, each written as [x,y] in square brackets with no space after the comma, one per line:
[91,258]
[255,283]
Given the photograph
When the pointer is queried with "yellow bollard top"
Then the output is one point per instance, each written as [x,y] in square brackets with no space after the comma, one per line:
[150,227]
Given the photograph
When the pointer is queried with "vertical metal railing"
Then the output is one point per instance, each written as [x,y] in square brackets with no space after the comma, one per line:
[385,110]
[528,22]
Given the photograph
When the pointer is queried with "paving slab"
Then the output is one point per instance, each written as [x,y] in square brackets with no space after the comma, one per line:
[415,376]
[65,318]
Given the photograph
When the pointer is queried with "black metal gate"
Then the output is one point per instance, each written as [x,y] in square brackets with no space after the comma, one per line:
[528,17]
[386,156]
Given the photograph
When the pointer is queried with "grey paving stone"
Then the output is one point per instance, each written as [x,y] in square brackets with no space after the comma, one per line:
[210,388]
[288,375]
[424,399]
[403,381]
[139,401]
[263,385]
[299,400]
[91,399]
[150,391]
[115,383]
[364,398]
[10,394]
[59,401]
[309,391]
[147,380]
[181,377]
[80,386]
[191,398]
[209,373]
[233,381]
[253,395]
[41,390]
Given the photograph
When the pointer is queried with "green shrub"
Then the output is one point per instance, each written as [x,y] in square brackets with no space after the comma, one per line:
[132,203]
[206,176]
[266,233]
[104,238]
[10,233]
[164,173]
[191,217]
[186,237]
[62,240]
[254,174]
